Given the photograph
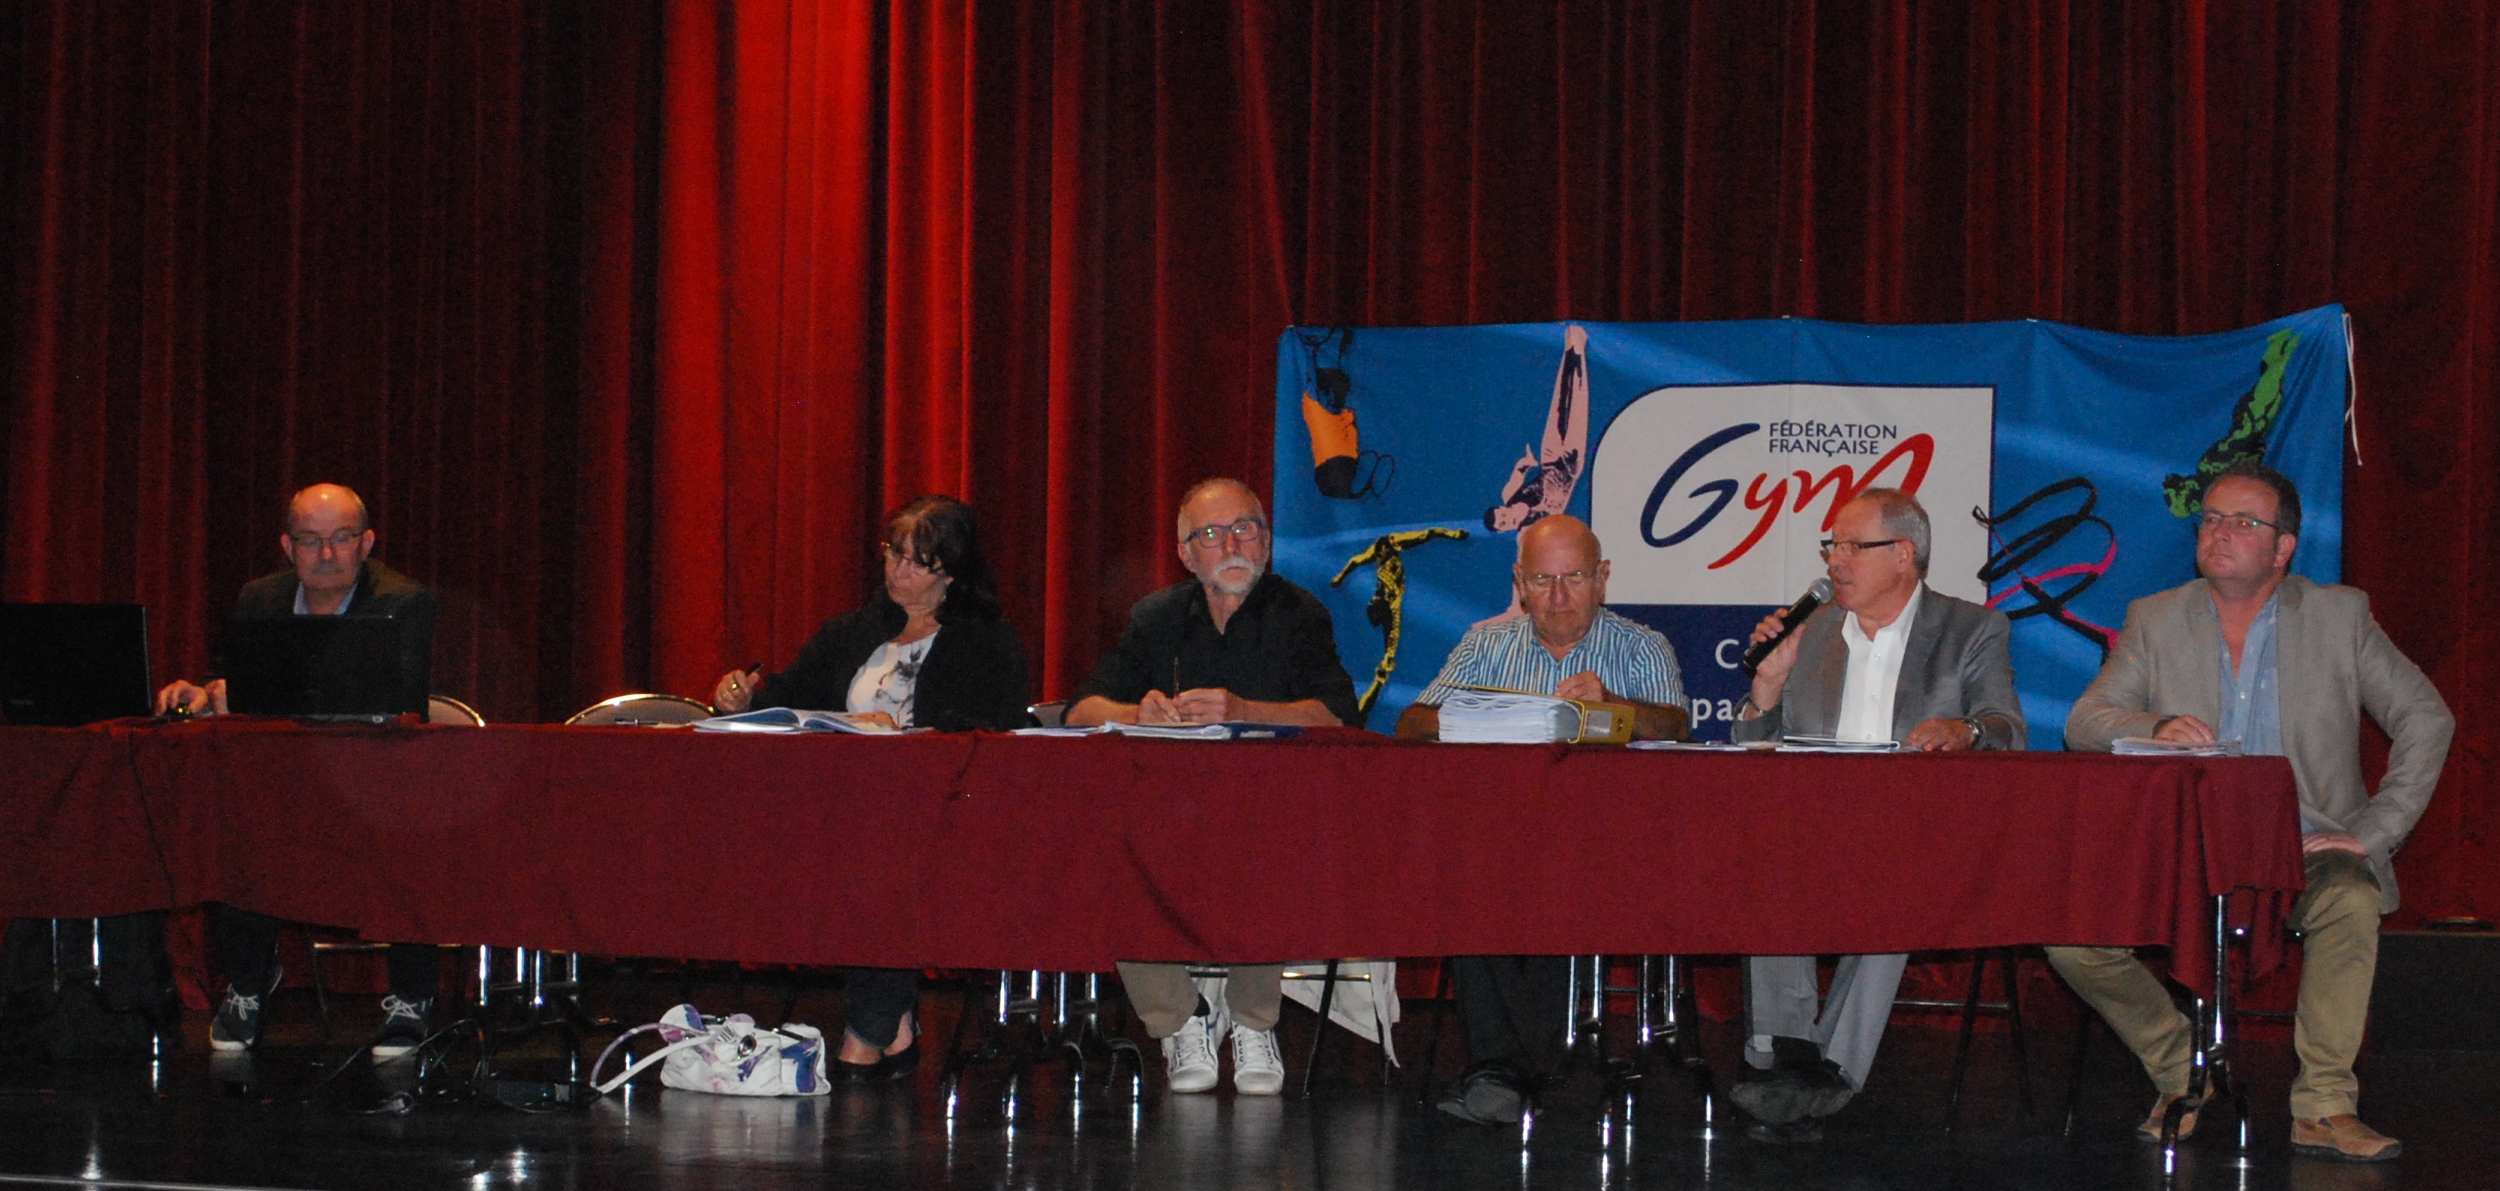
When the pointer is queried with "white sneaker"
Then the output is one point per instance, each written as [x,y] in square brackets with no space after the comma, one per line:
[1258,1070]
[1190,1055]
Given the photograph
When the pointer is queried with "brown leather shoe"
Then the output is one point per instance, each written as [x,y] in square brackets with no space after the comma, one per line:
[2343,1137]
[2150,1130]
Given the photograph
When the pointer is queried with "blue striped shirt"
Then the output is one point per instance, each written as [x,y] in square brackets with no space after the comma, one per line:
[1633,660]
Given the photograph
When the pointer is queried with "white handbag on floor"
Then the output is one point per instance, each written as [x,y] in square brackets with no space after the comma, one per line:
[728,1056]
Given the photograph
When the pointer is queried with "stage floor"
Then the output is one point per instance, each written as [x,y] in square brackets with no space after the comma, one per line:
[262,1122]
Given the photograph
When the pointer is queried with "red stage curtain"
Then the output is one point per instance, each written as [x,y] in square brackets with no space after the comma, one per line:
[634,318]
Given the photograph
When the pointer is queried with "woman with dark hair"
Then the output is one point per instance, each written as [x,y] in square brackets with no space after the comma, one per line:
[930,650]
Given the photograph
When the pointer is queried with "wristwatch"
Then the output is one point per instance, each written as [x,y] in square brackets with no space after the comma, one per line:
[1977,733]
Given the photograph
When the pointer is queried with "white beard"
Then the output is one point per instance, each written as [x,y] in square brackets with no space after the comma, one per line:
[1227,578]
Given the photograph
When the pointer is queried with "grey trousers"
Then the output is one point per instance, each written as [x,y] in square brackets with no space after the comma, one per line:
[1164,996]
[1782,1001]
[2338,918]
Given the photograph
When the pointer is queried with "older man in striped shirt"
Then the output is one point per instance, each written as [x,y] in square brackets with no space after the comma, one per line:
[1570,645]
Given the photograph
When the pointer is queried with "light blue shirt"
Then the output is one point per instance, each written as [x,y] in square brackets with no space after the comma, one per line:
[304,609]
[2251,712]
[2252,705]
[1634,661]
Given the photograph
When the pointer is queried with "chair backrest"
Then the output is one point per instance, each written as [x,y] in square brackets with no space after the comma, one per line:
[443,709]
[643,709]
[1049,715]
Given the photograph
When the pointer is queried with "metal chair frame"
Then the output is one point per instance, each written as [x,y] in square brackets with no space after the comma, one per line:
[1666,1024]
[443,709]
[1970,1007]
[641,709]
[1074,1033]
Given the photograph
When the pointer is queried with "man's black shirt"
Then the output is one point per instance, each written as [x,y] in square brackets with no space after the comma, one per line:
[1279,647]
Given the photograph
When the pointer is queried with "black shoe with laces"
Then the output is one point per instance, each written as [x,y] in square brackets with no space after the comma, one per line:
[237,1025]
[404,1026]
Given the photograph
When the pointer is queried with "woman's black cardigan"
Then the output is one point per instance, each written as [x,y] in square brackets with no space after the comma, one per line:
[972,678]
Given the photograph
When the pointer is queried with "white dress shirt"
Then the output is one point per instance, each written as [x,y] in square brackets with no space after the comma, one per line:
[1874,673]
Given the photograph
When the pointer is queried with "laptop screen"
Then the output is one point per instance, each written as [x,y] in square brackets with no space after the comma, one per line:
[67,664]
[348,667]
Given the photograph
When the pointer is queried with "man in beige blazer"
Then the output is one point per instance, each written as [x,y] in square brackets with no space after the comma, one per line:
[2285,666]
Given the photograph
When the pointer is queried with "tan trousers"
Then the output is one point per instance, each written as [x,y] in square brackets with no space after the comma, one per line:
[1164,996]
[2338,917]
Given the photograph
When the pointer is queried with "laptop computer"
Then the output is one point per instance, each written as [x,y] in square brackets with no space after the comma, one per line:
[69,664]
[322,667]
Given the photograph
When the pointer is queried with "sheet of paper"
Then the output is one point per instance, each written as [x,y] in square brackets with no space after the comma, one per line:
[2146,746]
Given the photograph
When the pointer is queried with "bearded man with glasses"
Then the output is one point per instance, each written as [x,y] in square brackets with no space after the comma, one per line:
[1571,645]
[328,545]
[1232,642]
[1887,660]
[2254,654]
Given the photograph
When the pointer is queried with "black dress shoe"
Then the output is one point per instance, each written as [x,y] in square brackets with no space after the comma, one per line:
[1486,1096]
[1805,1131]
[1801,1084]
[885,1070]
[1774,1099]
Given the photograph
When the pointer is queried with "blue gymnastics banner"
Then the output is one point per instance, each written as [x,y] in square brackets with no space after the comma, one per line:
[2061,469]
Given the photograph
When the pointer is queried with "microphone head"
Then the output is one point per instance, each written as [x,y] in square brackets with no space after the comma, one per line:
[1821,591]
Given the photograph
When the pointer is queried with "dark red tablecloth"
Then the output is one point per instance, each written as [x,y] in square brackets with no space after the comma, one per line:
[1000,851]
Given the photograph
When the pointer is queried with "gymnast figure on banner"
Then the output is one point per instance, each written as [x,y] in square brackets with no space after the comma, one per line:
[1542,481]
[1387,610]
[1340,468]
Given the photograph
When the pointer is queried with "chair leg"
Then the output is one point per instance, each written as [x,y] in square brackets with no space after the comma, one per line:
[798,984]
[2011,971]
[1684,1035]
[1440,1020]
[957,1057]
[2084,1018]
[1961,1049]
[1644,1010]
[321,993]
[1327,1000]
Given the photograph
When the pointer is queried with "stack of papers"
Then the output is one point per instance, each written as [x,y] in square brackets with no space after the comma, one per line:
[1227,730]
[1833,744]
[790,719]
[2146,746]
[1504,717]
[1695,746]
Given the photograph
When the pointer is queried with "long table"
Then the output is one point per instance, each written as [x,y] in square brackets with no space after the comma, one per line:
[992,851]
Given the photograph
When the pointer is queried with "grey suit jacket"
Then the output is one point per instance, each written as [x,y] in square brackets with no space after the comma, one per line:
[2332,663]
[1955,664]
